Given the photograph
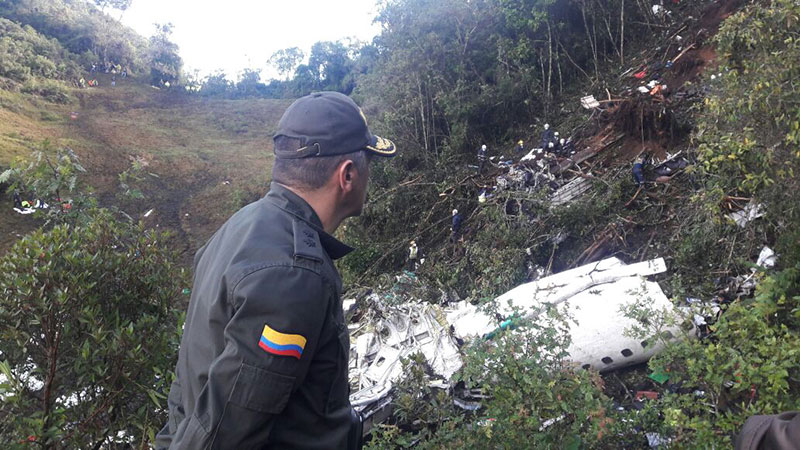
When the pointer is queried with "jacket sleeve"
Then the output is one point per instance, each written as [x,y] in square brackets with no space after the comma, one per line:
[277,324]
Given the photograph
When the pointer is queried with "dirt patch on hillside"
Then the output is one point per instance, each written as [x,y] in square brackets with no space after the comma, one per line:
[204,158]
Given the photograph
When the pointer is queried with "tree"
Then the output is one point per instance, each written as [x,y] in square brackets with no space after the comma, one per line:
[249,84]
[330,64]
[91,329]
[90,334]
[285,61]
[121,5]
[165,62]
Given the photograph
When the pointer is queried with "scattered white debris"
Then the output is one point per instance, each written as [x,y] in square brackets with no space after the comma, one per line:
[533,154]
[767,258]
[655,440]
[750,212]
[589,102]
[147,214]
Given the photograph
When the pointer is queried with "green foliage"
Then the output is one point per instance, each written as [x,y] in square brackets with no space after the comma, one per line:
[51,90]
[80,28]
[534,399]
[746,369]
[51,176]
[116,4]
[130,181]
[749,130]
[285,61]
[164,60]
[89,336]
[25,53]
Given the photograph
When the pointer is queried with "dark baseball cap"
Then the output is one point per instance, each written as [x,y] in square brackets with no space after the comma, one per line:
[327,124]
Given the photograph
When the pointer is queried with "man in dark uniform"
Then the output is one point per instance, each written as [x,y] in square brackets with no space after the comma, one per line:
[638,172]
[17,200]
[482,157]
[456,226]
[263,361]
[547,137]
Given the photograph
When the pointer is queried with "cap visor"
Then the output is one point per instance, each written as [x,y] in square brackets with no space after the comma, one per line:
[381,146]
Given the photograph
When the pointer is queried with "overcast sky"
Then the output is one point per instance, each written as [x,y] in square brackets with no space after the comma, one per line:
[236,34]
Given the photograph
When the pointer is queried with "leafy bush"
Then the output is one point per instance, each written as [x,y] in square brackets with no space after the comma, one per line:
[51,176]
[80,27]
[746,368]
[25,53]
[534,399]
[750,128]
[90,334]
[51,90]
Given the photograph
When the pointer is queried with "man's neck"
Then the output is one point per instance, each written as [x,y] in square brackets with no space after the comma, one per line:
[322,205]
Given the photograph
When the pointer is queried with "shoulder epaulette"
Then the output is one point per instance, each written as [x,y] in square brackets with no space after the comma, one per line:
[306,242]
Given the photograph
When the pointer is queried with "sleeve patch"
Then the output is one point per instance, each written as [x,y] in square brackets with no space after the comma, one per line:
[281,344]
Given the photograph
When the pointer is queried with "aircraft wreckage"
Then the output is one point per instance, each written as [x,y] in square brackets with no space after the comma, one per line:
[593,295]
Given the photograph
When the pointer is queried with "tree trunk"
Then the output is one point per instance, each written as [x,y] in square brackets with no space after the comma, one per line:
[592,44]
[622,33]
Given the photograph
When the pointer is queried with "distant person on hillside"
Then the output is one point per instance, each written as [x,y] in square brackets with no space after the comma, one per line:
[638,172]
[456,226]
[567,147]
[547,136]
[520,147]
[113,80]
[124,72]
[482,157]
[17,200]
[263,361]
[413,255]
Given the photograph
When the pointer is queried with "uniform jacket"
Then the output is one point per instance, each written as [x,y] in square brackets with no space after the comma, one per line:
[779,432]
[457,223]
[263,361]
[547,137]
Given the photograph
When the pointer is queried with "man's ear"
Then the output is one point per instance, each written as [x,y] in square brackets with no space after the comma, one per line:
[345,175]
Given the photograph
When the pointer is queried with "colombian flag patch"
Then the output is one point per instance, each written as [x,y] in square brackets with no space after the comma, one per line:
[282,344]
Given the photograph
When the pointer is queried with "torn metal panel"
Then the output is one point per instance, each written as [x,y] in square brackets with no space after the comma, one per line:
[570,191]
[394,333]
[589,102]
[592,294]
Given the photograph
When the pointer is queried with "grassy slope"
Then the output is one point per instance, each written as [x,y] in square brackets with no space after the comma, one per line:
[190,145]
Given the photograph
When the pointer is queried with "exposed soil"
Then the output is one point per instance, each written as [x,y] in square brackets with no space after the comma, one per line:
[189,147]
[655,125]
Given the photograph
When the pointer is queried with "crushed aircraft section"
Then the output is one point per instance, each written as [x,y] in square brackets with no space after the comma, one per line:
[390,330]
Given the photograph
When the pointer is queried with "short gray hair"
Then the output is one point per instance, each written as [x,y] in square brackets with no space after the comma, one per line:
[310,173]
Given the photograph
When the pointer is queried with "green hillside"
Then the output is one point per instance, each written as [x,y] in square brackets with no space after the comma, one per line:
[188,145]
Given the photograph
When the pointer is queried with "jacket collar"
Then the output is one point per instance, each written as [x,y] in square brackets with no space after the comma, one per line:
[293,204]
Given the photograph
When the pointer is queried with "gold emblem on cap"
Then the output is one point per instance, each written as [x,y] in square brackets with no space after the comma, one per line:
[382,143]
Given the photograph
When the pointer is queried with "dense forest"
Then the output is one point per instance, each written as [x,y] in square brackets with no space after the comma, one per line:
[86,358]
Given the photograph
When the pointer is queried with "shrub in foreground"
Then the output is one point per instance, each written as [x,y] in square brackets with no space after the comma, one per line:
[89,335]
